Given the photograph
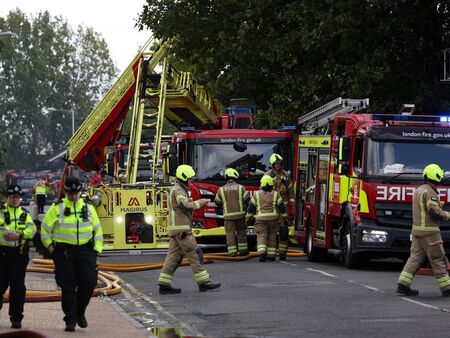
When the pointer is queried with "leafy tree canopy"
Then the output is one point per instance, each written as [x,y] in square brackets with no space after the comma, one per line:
[47,71]
[293,55]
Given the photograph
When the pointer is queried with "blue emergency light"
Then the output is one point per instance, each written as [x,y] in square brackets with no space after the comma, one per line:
[410,118]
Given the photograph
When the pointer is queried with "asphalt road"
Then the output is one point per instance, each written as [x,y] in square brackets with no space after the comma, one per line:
[296,298]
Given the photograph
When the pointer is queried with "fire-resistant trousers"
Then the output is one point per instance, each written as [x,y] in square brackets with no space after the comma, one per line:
[13,266]
[422,247]
[236,229]
[266,237]
[76,275]
[182,244]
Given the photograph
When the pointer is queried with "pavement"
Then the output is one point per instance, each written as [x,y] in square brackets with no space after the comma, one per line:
[106,319]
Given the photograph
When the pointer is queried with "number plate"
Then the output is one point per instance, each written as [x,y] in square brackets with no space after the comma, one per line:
[250,231]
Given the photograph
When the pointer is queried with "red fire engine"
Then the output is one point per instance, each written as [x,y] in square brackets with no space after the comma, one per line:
[356,173]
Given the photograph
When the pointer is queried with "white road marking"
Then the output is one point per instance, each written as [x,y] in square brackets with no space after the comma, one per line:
[421,304]
[389,320]
[291,264]
[322,272]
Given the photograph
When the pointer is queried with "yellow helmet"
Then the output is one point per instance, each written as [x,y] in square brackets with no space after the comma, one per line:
[185,172]
[231,173]
[433,172]
[275,158]
[266,180]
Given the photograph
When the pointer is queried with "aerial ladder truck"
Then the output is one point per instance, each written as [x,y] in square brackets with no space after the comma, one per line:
[356,174]
[132,206]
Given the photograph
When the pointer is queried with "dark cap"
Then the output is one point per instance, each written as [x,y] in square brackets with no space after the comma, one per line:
[13,190]
[72,184]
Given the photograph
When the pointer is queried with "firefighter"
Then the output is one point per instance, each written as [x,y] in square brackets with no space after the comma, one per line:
[283,185]
[16,229]
[40,190]
[72,234]
[234,199]
[426,236]
[181,239]
[267,207]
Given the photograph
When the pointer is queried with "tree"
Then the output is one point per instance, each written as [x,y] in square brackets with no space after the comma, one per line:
[293,55]
[48,70]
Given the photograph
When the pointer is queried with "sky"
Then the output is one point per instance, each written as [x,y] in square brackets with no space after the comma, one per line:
[114,20]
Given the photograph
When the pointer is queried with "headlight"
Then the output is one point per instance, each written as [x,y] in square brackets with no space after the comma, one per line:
[374,236]
[148,219]
[206,193]
[119,219]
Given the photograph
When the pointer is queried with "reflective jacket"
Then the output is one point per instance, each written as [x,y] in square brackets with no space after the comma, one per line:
[266,206]
[234,198]
[40,188]
[15,220]
[74,223]
[282,184]
[181,206]
[427,211]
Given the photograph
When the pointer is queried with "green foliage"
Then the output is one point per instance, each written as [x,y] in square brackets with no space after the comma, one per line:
[48,71]
[293,55]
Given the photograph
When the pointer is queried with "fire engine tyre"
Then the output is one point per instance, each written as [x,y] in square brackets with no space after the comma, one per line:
[312,253]
[349,259]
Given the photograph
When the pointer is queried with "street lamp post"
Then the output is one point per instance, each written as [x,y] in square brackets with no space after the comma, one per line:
[66,111]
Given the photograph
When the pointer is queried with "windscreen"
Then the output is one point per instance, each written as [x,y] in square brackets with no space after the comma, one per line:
[213,159]
[390,158]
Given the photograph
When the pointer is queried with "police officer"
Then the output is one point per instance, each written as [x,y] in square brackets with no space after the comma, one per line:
[72,233]
[426,235]
[267,207]
[40,190]
[16,229]
[283,185]
[234,199]
[181,239]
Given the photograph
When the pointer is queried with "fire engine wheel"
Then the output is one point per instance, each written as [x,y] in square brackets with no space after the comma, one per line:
[350,259]
[312,253]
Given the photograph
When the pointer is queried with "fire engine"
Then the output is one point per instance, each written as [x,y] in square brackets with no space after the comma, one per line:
[133,207]
[356,173]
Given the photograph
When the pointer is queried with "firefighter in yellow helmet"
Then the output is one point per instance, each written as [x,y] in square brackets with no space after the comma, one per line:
[283,185]
[426,236]
[234,199]
[72,234]
[16,229]
[266,206]
[181,239]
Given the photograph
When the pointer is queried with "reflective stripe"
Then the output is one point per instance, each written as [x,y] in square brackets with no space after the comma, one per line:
[262,248]
[241,206]
[179,227]
[165,278]
[271,251]
[46,236]
[74,225]
[98,237]
[406,278]
[46,227]
[232,249]
[242,246]
[201,276]
[58,236]
[443,281]
[422,211]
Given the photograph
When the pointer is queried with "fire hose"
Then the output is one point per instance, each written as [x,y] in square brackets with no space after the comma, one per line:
[112,282]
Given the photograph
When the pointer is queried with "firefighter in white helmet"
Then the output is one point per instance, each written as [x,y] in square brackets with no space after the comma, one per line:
[267,207]
[181,239]
[283,185]
[426,235]
[234,199]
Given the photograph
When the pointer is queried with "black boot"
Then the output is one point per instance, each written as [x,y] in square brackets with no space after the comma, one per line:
[209,286]
[16,325]
[167,289]
[70,327]
[271,258]
[446,293]
[406,290]
[244,253]
[262,257]
[82,322]
[282,256]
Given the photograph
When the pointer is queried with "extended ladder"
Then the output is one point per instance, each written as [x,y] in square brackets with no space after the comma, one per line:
[322,116]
